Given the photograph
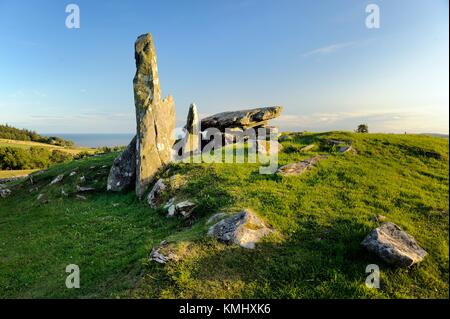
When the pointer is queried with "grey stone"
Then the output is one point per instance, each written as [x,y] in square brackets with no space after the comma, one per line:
[155,117]
[300,167]
[154,197]
[176,207]
[57,179]
[345,149]
[4,192]
[84,189]
[394,246]
[243,228]
[242,118]
[307,148]
[192,138]
[122,174]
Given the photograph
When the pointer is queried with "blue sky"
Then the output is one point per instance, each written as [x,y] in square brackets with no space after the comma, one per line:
[316,58]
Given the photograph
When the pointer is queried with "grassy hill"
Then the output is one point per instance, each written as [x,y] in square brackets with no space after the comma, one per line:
[321,216]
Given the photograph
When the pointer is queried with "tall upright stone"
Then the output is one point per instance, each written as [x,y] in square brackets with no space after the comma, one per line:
[192,130]
[155,117]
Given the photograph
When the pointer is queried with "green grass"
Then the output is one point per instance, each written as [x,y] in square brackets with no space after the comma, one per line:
[27,144]
[321,217]
[16,173]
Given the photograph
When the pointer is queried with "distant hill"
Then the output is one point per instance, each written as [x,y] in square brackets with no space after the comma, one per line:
[436,135]
[12,133]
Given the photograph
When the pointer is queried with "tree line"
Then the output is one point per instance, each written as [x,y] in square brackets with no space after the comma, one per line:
[12,133]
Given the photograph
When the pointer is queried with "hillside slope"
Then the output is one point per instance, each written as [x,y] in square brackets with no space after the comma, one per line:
[321,217]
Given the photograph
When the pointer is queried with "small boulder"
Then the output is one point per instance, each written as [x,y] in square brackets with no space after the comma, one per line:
[84,189]
[4,192]
[243,228]
[300,167]
[307,148]
[57,179]
[394,246]
[346,148]
[183,208]
[163,253]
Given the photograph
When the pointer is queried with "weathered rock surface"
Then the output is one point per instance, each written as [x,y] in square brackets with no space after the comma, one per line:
[84,189]
[183,208]
[4,192]
[57,179]
[394,246]
[241,119]
[243,228]
[307,148]
[122,174]
[155,117]
[154,197]
[346,149]
[300,167]
[164,253]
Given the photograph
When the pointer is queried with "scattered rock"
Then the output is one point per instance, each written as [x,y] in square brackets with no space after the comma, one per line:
[162,253]
[301,167]
[40,197]
[34,189]
[63,192]
[394,246]
[57,179]
[154,197]
[241,119]
[84,189]
[4,192]
[122,174]
[81,197]
[82,179]
[155,117]
[345,149]
[72,173]
[308,147]
[243,228]
[183,208]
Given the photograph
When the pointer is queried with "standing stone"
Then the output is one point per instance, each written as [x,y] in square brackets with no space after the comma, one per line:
[123,171]
[155,117]
[192,130]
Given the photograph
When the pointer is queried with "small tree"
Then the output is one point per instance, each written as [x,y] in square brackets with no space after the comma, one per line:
[362,128]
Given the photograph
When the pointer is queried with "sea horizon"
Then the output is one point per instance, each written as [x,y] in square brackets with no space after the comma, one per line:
[96,139]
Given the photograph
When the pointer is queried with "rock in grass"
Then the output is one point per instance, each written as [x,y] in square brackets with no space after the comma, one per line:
[4,192]
[84,189]
[394,246]
[345,149]
[57,179]
[307,148]
[162,253]
[300,167]
[122,174]
[154,197]
[184,208]
[243,228]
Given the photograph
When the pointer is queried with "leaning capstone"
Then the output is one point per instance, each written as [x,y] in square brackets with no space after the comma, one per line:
[122,174]
[300,167]
[155,117]
[244,229]
[394,246]
[241,119]
[154,197]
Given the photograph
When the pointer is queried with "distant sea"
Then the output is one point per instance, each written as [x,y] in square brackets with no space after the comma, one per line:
[96,140]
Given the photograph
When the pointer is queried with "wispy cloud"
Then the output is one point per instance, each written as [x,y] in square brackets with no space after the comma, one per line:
[328,49]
